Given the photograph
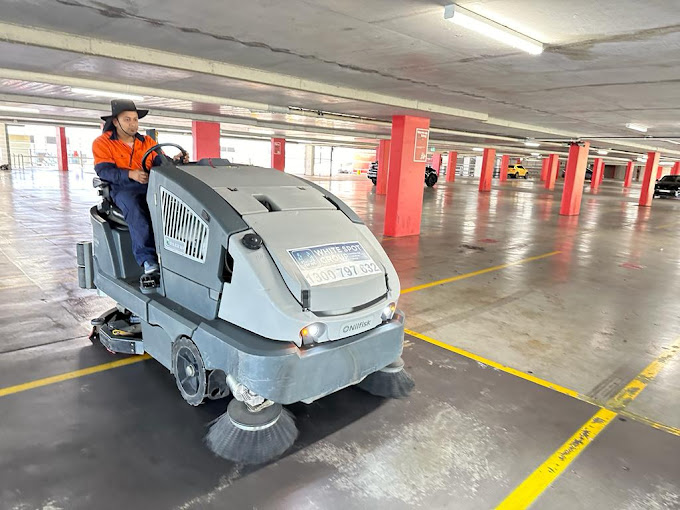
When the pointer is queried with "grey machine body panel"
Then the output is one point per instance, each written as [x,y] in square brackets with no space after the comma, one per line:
[245,308]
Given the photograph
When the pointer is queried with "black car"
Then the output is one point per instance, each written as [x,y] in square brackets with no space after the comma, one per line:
[589,173]
[667,186]
[430,174]
[373,172]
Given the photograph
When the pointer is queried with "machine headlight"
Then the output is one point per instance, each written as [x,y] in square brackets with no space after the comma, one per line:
[388,312]
[312,333]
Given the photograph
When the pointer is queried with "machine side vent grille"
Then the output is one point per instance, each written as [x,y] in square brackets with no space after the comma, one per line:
[184,231]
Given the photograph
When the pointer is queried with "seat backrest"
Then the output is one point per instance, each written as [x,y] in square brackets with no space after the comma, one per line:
[108,208]
[103,187]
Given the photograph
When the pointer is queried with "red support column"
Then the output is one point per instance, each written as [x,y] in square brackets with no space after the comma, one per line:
[383,166]
[659,172]
[573,179]
[206,139]
[62,151]
[602,173]
[451,166]
[544,169]
[279,154]
[408,155]
[647,192]
[553,167]
[436,161]
[505,161]
[488,162]
[598,168]
[629,175]
[676,168]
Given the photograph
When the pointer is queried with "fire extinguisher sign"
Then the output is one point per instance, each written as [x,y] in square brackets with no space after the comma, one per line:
[420,146]
[277,148]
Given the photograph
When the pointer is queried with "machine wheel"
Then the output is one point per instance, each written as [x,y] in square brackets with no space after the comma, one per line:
[526,176]
[189,370]
[517,175]
[431,180]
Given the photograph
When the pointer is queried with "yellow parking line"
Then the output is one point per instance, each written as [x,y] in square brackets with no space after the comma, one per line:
[534,485]
[643,419]
[477,273]
[506,369]
[632,390]
[10,390]
[666,225]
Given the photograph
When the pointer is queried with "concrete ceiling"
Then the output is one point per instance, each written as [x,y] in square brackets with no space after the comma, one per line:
[606,63]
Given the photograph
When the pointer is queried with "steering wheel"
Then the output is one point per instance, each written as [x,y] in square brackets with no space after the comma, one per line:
[158,146]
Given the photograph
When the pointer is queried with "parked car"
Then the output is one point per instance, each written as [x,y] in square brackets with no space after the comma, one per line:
[346,168]
[373,172]
[517,171]
[589,173]
[667,186]
[430,174]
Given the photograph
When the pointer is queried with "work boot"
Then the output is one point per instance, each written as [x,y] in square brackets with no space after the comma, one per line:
[151,279]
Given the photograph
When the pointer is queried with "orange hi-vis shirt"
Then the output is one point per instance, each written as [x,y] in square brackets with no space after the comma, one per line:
[113,157]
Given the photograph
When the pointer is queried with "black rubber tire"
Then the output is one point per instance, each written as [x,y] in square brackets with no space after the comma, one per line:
[189,371]
[374,181]
[517,175]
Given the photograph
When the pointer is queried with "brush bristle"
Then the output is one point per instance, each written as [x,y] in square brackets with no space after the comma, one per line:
[225,439]
[388,384]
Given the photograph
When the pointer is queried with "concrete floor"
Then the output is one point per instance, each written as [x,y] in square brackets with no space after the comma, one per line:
[588,318]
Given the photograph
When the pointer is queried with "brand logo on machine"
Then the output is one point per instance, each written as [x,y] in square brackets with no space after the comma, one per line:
[356,326]
[175,245]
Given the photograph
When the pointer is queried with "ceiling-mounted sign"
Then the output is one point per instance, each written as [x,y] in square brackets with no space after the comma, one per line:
[420,146]
[277,148]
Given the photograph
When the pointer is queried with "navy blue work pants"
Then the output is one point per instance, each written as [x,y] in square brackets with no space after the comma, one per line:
[132,201]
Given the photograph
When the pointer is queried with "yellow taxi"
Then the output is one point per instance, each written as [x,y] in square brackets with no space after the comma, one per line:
[517,171]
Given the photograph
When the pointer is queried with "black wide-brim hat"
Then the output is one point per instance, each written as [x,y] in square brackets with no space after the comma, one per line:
[119,106]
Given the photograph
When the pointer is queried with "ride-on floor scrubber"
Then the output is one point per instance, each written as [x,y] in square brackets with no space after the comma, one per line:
[271,290]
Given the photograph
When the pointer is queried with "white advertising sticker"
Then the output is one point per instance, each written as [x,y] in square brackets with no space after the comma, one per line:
[330,263]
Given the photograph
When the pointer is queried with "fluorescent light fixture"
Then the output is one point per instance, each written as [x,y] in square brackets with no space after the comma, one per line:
[532,144]
[642,159]
[490,28]
[104,93]
[18,109]
[478,149]
[535,153]
[637,127]
[603,152]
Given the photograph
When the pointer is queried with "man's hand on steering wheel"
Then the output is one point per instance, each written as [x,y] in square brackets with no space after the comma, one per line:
[181,157]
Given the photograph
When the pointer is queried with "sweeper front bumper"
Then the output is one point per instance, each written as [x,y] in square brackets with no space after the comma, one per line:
[285,373]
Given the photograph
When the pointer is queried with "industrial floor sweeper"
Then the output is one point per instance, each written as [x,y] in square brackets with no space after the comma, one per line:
[272,290]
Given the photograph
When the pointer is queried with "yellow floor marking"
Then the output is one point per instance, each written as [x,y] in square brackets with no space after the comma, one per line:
[506,369]
[666,225]
[538,481]
[643,419]
[546,384]
[10,390]
[524,495]
[633,388]
[477,273]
